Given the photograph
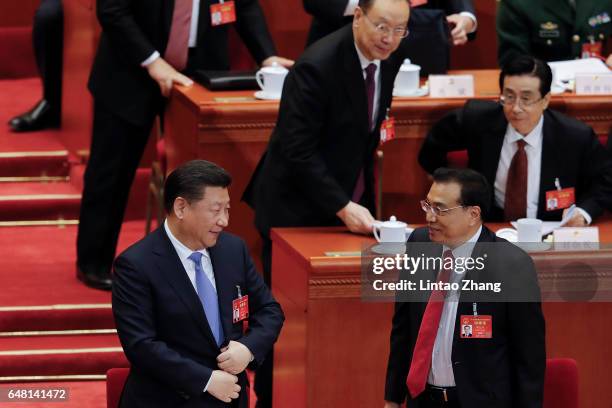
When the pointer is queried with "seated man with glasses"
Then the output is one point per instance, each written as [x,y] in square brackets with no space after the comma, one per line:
[531,155]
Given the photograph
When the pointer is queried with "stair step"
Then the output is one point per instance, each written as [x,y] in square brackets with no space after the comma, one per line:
[60,355]
[34,163]
[39,201]
[56,317]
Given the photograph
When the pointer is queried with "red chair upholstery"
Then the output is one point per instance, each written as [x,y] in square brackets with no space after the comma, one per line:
[115,379]
[561,383]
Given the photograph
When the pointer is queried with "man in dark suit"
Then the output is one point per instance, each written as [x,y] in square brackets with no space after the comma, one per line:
[174,301]
[318,167]
[143,47]
[330,15]
[48,38]
[555,151]
[431,363]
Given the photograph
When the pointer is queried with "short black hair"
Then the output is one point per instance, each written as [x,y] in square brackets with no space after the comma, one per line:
[475,189]
[190,179]
[531,66]
[366,4]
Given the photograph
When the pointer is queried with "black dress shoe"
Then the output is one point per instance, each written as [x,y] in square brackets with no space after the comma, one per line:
[41,116]
[97,278]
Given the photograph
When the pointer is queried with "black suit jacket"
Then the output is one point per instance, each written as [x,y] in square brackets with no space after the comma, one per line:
[504,371]
[133,29]
[327,15]
[570,152]
[164,331]
[321,141]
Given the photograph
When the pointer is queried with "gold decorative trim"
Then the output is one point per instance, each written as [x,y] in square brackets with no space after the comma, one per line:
[75,377]
[57,332]
[32,179]
[22,197]
[56,307]
[39,223]
[51,153]
[60,351]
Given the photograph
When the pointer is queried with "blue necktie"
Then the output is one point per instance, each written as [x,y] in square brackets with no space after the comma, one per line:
[208,297]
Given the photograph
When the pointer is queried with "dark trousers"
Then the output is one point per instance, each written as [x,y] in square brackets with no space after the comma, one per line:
[48,39]
[263,377]
[433,398]
[116,149]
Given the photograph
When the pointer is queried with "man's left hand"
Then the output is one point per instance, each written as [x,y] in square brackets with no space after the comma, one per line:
[285,62]
[609,61]
[234,358]
[576,221]
[461,26]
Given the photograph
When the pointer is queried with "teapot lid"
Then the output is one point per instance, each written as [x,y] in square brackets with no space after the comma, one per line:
[394,223]
[407,66]
[275,68]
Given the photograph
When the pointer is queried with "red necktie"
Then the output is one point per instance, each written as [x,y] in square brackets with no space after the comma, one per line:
[178,41]
[370,85]
[421,357]
[515,203]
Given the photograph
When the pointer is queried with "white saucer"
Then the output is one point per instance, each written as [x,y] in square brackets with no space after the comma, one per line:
[267,96]
[508,234]
[534,246]
[414,93]
[557,89]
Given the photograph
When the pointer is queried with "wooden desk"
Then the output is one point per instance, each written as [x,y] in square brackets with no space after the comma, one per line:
[334,347]
[232,129]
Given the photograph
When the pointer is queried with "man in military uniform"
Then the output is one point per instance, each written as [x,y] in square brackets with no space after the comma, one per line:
[554,30]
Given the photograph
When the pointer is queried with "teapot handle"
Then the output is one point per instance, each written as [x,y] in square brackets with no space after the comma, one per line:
[259,79]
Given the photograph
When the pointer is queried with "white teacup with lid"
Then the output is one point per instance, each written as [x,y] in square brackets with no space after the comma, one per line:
[392,231]
[407,79]
[270,79]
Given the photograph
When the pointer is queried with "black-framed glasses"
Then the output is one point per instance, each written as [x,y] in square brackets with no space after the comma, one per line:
[384,29]
[523,101]
[435,210]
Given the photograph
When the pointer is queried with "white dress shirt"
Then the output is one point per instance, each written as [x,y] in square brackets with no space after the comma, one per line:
[441,372]
[193,33]
[364,64]
[533,148]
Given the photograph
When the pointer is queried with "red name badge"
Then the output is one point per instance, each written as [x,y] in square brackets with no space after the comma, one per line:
[387,130]
[560,199]
[222,13]
[592,49]
[476,327]
[417,3]
[240,308]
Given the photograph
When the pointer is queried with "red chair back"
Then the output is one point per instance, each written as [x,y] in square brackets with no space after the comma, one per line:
[561,383]
[115,380]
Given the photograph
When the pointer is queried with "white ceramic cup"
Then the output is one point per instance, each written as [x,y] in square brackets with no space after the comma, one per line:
[407,79]
[392,231]
[271,79]
[529,230]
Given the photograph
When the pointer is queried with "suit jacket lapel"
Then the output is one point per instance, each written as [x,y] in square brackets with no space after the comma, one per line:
[172,269]
[492,143]
[354,82]
[226,293]
[548,167]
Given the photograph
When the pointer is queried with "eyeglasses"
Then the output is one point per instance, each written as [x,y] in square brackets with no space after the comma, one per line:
[382,28]
[437,211]
[523,101]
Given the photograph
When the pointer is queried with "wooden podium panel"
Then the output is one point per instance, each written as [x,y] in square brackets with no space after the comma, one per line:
[333,349]
[233,128]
